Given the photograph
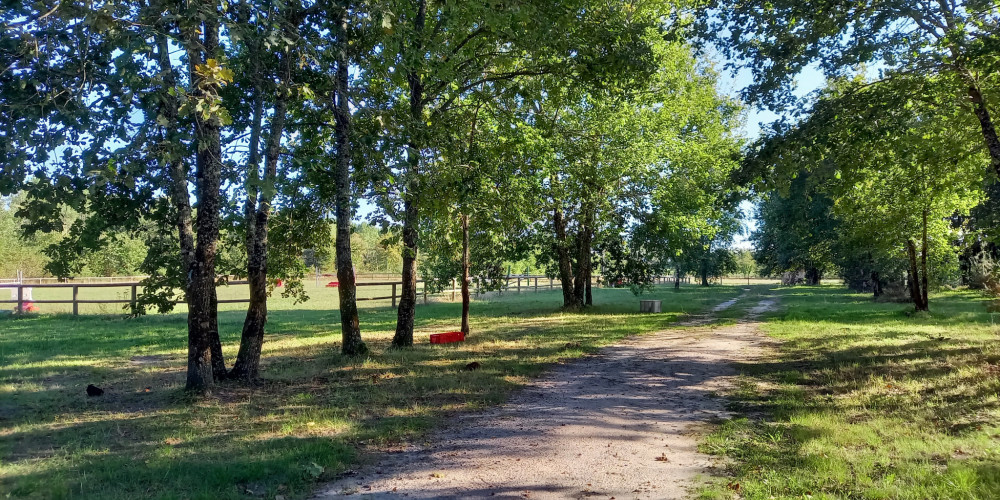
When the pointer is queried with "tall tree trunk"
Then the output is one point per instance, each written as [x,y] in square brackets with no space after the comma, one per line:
[465,274]
[562,252]
[247,366]
[985,124]
[351,343]
[582,264]
[203,333]
[813,276]
[199,355]
[677,277]
[923,262]
[590,295]
[704,271]
[913,276]
[876,284]
[408,298]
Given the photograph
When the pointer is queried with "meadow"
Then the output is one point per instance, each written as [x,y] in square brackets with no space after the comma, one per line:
[866,400]
[315,415]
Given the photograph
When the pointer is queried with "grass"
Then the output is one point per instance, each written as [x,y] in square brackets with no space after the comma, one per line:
[866,400]
[315,415]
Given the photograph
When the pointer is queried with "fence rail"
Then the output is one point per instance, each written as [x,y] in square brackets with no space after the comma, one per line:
[516,284]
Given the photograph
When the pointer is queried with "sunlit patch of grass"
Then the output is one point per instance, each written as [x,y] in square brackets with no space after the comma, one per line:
[306,421]
[864,400]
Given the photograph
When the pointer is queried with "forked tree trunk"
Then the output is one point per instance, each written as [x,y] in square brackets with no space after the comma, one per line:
[465,274]
[247,366]
[562,251]
[203,335]
[351,343]
[408,297]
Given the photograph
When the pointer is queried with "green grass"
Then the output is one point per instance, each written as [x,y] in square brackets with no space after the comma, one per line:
[867,400]
[314,416]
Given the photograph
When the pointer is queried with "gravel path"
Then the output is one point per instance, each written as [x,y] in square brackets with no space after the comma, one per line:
[622,423]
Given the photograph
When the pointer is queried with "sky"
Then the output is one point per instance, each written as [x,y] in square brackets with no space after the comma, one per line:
[758,119]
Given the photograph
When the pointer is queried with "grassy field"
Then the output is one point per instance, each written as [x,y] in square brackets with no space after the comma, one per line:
[867,400]
[312,418]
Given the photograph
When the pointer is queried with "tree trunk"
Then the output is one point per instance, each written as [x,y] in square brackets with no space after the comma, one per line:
[247,366]
[677,278]
[351,343]
[913,277]
[590,296]
[562,251]
[408,297]
[582,261]
[876,284]
[986,125]
[704,272]
[203,335]
[465,274]
[923,262]
[813,276]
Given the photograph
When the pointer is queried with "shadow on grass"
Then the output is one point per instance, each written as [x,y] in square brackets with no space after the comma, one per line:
[302,424]
[868,400]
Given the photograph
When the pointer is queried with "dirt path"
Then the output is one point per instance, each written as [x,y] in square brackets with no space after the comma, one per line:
[621,424]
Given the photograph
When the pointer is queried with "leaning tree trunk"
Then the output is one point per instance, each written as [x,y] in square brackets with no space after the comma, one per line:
[351,343]
[465,274]
[247,366]
[562,253]
[202,302]
[986,125]
[408,298]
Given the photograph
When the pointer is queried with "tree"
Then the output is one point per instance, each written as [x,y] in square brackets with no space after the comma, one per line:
[896,168]
[745,264]
[954,41]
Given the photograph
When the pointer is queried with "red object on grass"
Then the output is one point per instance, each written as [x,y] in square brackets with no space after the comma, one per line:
[333,284]
[447,337]
[279,283]
[29,307]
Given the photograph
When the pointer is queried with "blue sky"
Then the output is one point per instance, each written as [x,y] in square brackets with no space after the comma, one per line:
[757,119]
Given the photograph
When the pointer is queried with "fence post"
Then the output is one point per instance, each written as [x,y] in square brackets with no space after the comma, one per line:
[425,293]
[20,298]
[132,302]
[76,306]
[519,285]
[551,285]
[393,295]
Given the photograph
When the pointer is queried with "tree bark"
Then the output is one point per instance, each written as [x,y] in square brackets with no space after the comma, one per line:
[203,335]
[351,343]
[677,278]
[914,277]
[562,252]
[986,125]
[813,276]
[465,274]
[247,366]
[704,271]
[582,261]
[923,262]
[408,298]
[876,284]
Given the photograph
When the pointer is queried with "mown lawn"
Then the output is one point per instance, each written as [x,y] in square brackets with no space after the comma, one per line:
[313,416]
[867,400]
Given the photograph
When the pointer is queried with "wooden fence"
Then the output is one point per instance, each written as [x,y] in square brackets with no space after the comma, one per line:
[514,284]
